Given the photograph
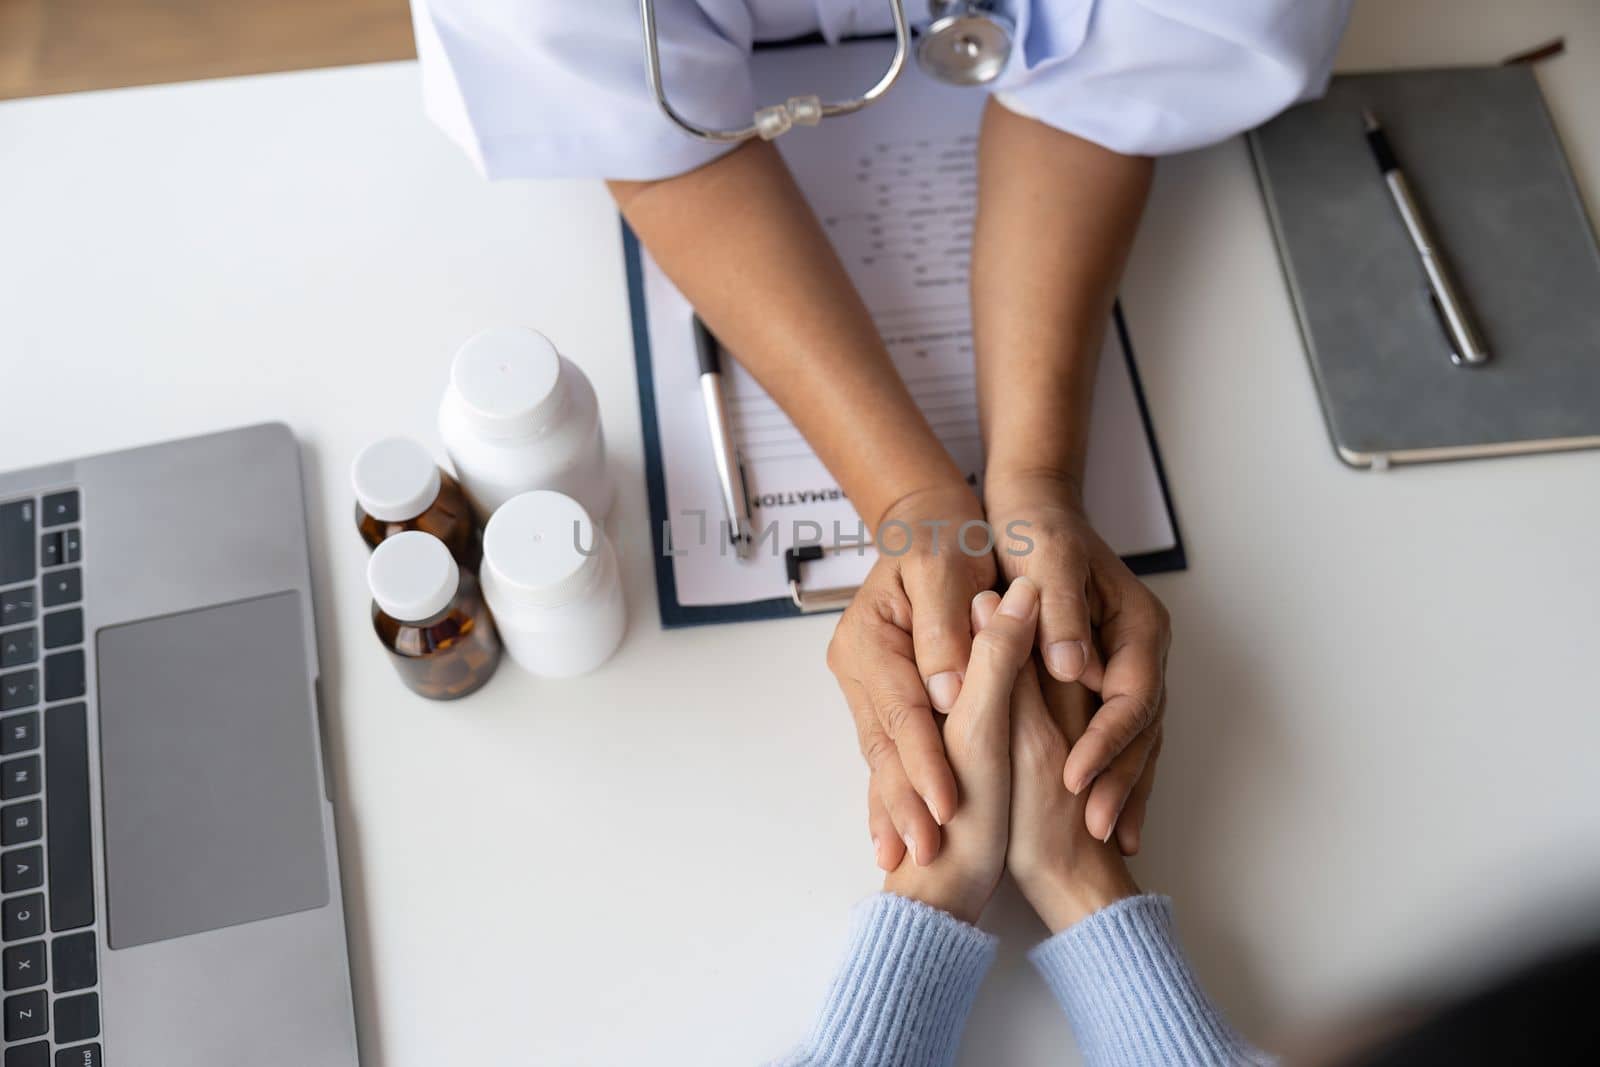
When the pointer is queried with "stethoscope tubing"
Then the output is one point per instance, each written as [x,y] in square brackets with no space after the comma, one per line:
[814,109]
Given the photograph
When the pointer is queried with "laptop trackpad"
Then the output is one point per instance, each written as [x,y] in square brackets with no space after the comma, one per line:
[212,800]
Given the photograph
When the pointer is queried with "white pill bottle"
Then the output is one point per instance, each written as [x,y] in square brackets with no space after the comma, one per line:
[550,577]
[517,416]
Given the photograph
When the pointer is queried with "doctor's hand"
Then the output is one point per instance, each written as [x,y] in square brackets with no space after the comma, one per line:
[1065,874]
[1098,625]
[899,654]
[977,736]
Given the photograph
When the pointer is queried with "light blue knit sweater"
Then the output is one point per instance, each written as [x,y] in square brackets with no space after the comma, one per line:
[909,978]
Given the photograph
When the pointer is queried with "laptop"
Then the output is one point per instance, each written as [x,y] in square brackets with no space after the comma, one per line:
[169,877]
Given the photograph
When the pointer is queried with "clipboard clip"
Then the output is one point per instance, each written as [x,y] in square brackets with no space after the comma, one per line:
[810,601]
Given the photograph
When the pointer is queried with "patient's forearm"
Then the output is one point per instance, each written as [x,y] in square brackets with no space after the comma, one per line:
[1056,217]
[903,991]
[1131,995]
[739,240]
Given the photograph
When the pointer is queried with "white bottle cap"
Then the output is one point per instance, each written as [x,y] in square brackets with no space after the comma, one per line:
[395,479]
[507,381]
[412,576]
[544,547]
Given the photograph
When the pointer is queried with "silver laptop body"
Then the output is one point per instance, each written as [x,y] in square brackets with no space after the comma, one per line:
[171,880]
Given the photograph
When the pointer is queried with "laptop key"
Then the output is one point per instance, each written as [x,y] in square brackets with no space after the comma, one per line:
[18,647]
[63,628]
[22,869]
[19,733]
[22,917]
[17,605]
[20,823]
[72,545]
[34,1055]
[77,1018]
[63,675]
[59,508]
[19,778]
[16,542]
[71,875]
[24,966]
[63,587]
[51,548]
[19,689]
[72,962]
[80,1056]
[25,1016]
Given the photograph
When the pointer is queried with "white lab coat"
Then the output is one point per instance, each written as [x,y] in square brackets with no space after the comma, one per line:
[556,88]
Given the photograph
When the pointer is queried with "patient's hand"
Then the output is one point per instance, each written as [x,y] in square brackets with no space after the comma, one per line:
[1098,625]
[899,653]
[977,740]
[1062,870]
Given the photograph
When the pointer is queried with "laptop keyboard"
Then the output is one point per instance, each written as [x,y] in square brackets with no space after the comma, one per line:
[48,965]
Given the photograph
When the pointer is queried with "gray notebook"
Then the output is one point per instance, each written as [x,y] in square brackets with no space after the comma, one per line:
[1483,156]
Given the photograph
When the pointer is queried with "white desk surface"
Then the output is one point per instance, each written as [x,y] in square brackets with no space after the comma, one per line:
[1383,717]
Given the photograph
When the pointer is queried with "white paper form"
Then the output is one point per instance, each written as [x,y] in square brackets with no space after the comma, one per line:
[894,187]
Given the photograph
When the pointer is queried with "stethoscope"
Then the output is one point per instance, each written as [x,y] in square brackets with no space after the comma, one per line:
[966,43]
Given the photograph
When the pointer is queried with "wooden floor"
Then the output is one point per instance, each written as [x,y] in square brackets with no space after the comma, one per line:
[62,46]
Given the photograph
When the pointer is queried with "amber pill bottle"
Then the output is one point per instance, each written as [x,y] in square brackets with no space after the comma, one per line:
[400,488]
[430,617]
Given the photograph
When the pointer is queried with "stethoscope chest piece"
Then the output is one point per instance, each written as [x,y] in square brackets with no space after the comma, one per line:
[967,43]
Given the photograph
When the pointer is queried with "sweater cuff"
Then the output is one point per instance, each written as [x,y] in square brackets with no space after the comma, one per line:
[903,993]
[1130,995]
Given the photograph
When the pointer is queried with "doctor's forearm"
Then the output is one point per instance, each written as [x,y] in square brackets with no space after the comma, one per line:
[1056,217]
[737,237]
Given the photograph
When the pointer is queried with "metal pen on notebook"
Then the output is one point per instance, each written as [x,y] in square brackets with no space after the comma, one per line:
[729,475]
[1466,344]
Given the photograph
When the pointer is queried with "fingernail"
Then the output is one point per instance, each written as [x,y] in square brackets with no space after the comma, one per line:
[933,809]
[911,850]
[1106,840]
[1083,782]
[1021,600]
[943,688]
[877,851]
[1066,659]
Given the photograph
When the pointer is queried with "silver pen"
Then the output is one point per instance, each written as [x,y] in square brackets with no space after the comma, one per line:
[729,474]
[1466,344]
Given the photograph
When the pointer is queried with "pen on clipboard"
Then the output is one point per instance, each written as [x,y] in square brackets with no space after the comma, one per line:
[1466,344]
[729,474]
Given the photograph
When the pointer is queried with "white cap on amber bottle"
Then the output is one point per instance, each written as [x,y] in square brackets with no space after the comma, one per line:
[412,576]
[394,479]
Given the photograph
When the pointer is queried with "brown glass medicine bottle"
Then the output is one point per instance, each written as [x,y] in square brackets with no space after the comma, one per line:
[430,617]
[399,487]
